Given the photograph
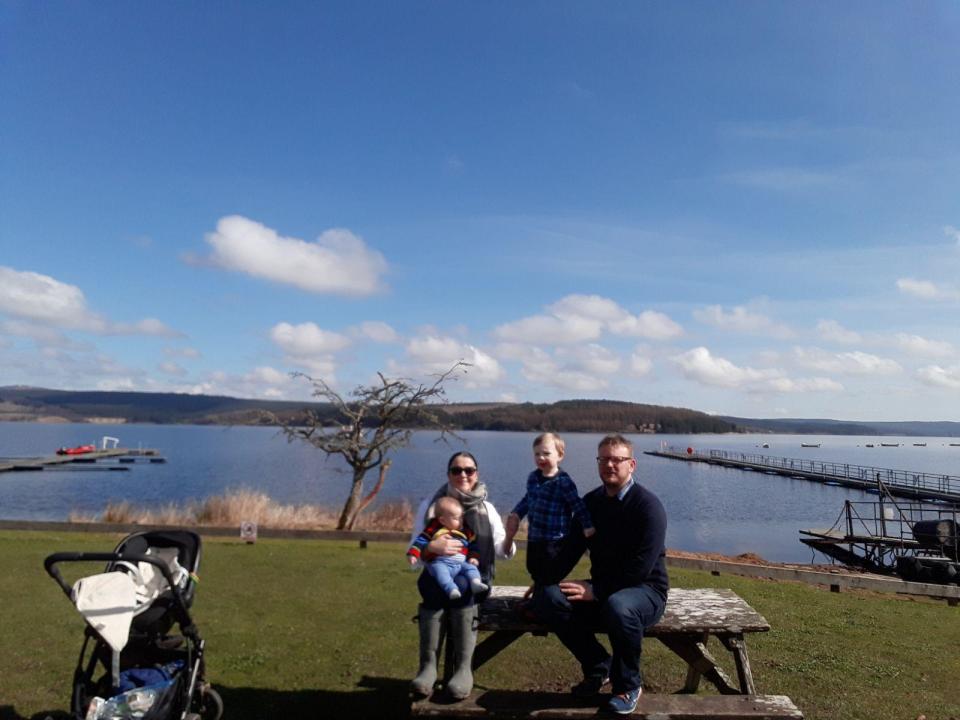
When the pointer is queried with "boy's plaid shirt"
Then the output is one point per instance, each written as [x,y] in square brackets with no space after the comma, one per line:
[550,502]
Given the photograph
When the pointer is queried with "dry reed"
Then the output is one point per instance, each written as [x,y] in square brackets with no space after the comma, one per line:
[241,505]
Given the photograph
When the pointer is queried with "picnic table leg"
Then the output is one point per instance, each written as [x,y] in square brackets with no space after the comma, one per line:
[493,644]
[738,646]
[692,683]
[694,652]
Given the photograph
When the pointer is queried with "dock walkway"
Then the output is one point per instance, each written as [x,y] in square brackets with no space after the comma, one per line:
[903,483]
[122,455]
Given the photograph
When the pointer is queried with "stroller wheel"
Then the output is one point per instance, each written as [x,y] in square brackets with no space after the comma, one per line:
[211,704]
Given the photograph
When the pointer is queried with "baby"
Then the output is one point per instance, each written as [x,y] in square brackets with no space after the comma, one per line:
[444,568]
[550,501]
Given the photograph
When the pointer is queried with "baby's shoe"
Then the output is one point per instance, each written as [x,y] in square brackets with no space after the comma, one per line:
[478,586]
[454,594]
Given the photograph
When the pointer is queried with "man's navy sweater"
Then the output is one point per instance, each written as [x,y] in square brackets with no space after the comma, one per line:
[628,548]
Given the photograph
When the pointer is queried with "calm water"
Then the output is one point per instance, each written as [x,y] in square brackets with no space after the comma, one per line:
[710,509]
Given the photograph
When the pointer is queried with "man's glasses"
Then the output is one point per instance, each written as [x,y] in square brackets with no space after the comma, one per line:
[468,471]
[614,459]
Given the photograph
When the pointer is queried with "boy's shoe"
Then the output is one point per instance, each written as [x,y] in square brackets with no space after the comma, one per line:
[454,594]
[624,703]
[589,687]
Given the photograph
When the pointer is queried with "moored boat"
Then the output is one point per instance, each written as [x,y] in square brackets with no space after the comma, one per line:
[78,450]
[809,444]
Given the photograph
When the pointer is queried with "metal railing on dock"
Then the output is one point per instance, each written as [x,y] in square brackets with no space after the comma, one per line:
[905,483]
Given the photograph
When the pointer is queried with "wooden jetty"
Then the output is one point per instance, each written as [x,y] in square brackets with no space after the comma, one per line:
[123,456]
[902,483]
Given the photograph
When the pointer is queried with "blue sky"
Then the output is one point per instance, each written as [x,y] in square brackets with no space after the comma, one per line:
[743,208]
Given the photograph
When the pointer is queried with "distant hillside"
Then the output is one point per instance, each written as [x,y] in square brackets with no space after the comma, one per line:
[594,416]
[38,404]
[847,427]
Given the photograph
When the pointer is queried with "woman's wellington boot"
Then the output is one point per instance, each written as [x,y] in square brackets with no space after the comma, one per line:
[430,624]
[463,639]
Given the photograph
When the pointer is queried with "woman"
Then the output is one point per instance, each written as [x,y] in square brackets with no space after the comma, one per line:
[483,520]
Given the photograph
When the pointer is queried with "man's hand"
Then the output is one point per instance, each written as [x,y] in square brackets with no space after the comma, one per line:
[577,590]
[589,532]
[444,545]
[412,560]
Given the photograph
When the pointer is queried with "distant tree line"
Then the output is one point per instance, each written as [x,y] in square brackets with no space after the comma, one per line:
[178,408]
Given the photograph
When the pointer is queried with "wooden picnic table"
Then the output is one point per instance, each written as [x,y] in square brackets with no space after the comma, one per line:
[691,618]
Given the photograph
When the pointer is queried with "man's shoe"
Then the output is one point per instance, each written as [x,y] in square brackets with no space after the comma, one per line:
[589,687]
[624,703]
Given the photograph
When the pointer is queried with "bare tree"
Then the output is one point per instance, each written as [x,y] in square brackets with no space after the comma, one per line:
[368,424]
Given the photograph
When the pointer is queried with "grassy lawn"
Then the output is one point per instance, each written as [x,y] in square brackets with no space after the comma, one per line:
[301,628]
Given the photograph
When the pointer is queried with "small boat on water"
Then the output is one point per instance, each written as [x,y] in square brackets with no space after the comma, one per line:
[869,445]
[766,445]
[78,450]
[919,444]
[809,444]
[889,444]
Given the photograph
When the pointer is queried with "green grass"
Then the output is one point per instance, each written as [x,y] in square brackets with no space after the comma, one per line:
[302,628]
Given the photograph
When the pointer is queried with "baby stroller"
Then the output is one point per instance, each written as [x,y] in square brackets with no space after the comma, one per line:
[130,666]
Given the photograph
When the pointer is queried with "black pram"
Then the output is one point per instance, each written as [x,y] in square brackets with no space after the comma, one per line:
[130,666]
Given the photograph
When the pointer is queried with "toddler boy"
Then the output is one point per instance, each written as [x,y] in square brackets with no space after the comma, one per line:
[551,499]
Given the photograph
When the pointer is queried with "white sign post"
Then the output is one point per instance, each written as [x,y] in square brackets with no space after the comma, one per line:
[248,532]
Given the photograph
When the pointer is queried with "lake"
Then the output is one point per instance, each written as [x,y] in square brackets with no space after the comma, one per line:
[710,509]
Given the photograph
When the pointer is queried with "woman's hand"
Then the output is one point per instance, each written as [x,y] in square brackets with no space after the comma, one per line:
[444,545]
[577,590]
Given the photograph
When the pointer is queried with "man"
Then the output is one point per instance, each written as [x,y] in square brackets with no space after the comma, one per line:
[628,587]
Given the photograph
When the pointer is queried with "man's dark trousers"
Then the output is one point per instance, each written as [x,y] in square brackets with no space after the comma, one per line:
[624,615]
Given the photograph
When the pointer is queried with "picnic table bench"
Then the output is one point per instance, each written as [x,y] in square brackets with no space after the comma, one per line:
[691,618]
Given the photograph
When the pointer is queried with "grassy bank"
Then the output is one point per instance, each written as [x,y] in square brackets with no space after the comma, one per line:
[302,628]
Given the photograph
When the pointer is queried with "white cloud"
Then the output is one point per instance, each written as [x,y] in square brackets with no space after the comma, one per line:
[926,290]
[434,354]
[377,331]
[648,324]
[307,339]
[740,319]
[814,384]
[261,382]
[147,326]
[338,262]
[592,359]
[576,319]
[548,330]
[920,346]
[184,352]
[937,376]
[952,232]
[640,365]
[540,367]
[700,365]
[40,298]
[849,363]
[172,368]
[832,331]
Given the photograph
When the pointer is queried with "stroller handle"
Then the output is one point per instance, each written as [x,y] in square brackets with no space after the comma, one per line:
[51,561]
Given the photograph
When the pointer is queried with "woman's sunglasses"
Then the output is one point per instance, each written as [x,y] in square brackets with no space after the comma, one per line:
[468,471]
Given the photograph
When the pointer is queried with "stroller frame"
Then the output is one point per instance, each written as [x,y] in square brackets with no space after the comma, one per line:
[148,644]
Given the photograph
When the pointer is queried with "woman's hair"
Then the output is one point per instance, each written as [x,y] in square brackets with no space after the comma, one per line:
[462,453]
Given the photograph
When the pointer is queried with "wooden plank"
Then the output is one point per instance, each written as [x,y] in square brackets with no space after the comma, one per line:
[858,581]
[524,705]
[715,611]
